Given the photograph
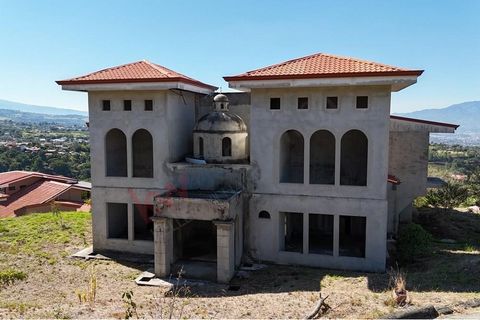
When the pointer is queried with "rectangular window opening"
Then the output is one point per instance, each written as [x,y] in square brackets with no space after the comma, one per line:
[142,223]
[320,234]
[293,231]
[106,105]
[274,103]
[117,219]
[127,105]
[302,103]
[148,105]
[352,236]
[362,102]
[332,102]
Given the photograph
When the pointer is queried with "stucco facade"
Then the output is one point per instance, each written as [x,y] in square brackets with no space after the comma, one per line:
[302,179]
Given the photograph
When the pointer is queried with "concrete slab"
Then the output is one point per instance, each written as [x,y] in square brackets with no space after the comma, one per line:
[147,278]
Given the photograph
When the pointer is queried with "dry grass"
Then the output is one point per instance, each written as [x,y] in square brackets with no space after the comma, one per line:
[50,290]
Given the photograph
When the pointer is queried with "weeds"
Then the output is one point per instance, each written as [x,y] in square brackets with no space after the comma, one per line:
[168,306]
[398,284]
[9,276]
[89,295]
[130,305]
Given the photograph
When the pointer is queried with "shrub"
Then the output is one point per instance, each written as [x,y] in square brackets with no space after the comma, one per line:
[413,242]
[9,276]
[449,196]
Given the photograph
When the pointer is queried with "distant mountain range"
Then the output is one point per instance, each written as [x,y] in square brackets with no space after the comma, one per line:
[10,105]
[20,112]
[466,114]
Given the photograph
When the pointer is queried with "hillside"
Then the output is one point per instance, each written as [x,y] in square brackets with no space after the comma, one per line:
[30,117]
[466,114]
[11,105]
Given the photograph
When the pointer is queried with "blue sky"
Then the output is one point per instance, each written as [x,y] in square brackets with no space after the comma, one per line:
[48,40]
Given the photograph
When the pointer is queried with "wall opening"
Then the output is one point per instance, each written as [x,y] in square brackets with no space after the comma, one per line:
[142,224]
[291,157]
[116,153]
[226,147]
[148,105]
[293,231]
[353,232]
[264,215]
[195,240]
[354,157]
[117,220]
[302,103]
[200,147]
[274,103]
[142,153]
[320,234]
[127,105]
[332,102]
[322,158]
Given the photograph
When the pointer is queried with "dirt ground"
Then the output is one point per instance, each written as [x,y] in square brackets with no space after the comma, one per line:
[54,283]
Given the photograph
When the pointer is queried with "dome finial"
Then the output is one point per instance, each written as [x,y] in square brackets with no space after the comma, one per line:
[220,102]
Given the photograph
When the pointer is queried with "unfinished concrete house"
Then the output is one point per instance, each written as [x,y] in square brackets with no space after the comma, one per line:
[303,166]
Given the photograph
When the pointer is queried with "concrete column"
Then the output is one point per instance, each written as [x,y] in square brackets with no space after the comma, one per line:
[336,235]
[225,250]
[305,232]
[306,160]
[338,146]
[163,245]
[129,155]
[130,219]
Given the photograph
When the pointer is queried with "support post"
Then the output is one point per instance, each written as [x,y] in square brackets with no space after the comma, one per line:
[163,245]
[225,250]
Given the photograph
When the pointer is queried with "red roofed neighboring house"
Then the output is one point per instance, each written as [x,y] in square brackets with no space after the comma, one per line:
[23,192]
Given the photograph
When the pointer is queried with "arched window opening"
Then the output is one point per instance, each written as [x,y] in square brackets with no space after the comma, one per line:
[354,157]
[264,215]
[200,146]
[291,157]
[322,158]
[116,153]
[226,147]
[142,154]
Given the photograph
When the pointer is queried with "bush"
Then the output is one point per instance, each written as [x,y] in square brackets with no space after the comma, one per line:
[413,242]
[449,196]
[9,276]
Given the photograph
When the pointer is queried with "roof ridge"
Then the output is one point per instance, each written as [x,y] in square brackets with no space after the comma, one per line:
[108,69]
[363,61]
[284,62]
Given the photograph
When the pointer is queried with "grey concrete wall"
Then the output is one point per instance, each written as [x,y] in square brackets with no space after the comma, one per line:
[267,126]
[265,237]
[170,124]
[408,161]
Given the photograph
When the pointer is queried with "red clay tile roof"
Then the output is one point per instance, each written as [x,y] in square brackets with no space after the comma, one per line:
[140,71]
[38,193]
[321,65]
[15,176]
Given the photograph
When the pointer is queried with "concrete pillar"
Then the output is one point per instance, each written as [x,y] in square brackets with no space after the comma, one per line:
[336,235]
[163,245]
[225,250]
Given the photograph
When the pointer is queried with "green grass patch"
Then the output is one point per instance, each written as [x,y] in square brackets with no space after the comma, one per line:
[35,234]
[9,276]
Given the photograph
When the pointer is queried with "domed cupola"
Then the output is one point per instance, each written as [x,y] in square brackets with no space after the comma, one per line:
[220,136]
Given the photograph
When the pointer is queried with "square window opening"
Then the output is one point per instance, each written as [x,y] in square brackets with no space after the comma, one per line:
[127,105]
[302,103]
[274,103]
[106,105]
[332,102]
[320,234]
[117,219]
[293,231]
[352,236]
[148,105]
[142,223]
[362,102]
